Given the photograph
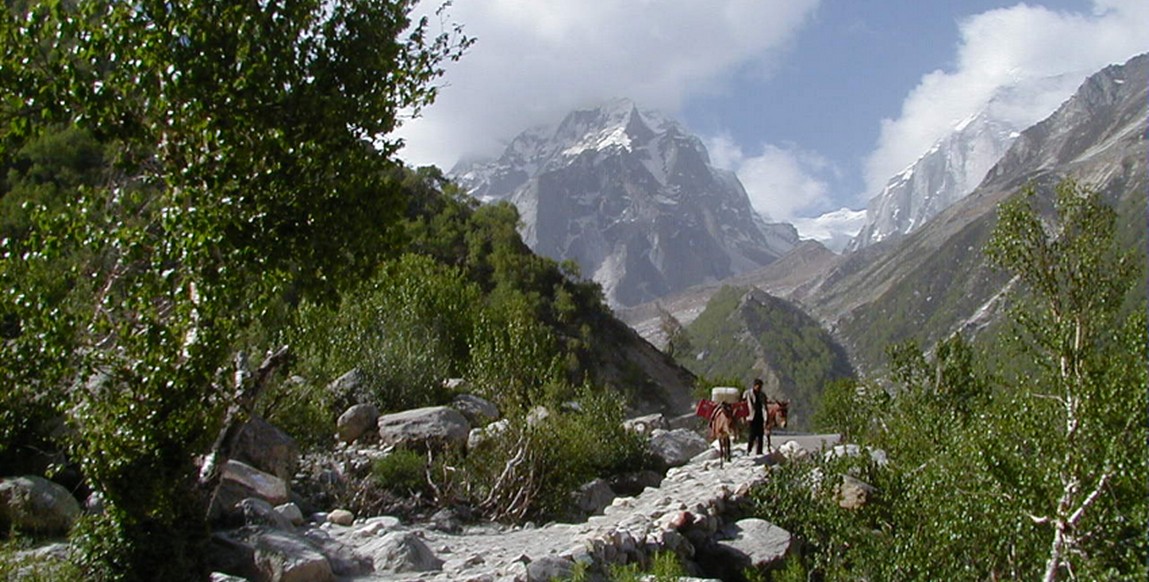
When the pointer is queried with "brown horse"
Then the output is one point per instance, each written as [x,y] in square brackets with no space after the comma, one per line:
[776,413]
[722,428]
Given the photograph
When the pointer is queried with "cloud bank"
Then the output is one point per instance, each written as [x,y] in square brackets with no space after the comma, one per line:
[535,61]
[1040,54]
[783,182]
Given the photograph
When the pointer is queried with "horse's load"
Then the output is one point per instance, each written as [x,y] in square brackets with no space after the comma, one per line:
[725,394]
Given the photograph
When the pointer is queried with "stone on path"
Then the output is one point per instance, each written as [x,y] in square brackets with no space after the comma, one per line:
[402,552]
[748,543]
[676,447]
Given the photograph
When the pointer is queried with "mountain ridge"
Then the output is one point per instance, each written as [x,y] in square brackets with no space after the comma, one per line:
[631,197]
[935,281]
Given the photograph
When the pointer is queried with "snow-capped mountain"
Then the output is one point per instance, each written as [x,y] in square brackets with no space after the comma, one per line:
[952,168]
[632,198]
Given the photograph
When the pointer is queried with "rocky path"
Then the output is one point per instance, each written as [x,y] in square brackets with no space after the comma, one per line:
[686,510]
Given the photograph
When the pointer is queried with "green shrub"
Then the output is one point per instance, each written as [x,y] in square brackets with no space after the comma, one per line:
[531,470]
[403,472]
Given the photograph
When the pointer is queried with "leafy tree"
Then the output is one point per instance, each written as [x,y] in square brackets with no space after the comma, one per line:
[1091,381]
[248,147]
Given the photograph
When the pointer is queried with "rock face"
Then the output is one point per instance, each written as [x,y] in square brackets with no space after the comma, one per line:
[435,427]
[36,505]
[632,198]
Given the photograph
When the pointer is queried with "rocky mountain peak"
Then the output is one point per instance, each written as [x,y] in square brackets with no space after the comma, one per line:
[631,196]
[951,169]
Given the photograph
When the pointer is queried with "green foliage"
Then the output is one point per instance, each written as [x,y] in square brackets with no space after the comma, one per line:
[403,472]
[530,468]
[240,171]
[17,567]
[849,408]
[802,499]
[406,329]
[1020,471]
[663,567]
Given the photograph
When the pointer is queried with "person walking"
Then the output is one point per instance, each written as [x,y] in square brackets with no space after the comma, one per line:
[756,402]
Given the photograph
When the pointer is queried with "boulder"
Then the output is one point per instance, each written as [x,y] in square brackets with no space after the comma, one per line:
[259,512]
[537,415]
[286,557]
[676,447]
[434,428]
[345,562]
[402,552]
[267,448]
[266,554]
[240,481]
[291,512]
[350,388]
[356,421]
[549,568]
[853,493]
[478,435]
[592,497]
[748,543]
[341,517]
[478,411]
[645,425]
[36,505]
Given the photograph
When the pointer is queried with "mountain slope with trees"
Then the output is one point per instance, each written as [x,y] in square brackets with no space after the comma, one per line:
[745,333]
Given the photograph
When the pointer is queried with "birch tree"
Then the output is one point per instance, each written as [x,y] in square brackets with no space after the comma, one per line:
[1088,445]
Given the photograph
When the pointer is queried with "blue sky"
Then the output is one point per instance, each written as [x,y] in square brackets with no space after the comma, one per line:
[813,103]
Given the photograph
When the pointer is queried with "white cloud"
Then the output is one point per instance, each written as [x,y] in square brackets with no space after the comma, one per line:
[534,61]
[1046,53]
[783,182]
[833,229]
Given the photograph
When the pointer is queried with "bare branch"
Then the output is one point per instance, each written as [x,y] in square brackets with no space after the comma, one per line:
[1090,499]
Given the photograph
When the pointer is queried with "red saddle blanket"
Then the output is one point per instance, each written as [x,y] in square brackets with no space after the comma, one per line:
[705,408]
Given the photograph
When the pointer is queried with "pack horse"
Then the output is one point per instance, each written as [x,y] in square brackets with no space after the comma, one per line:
[723,412]
[722,429]
[776,412]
